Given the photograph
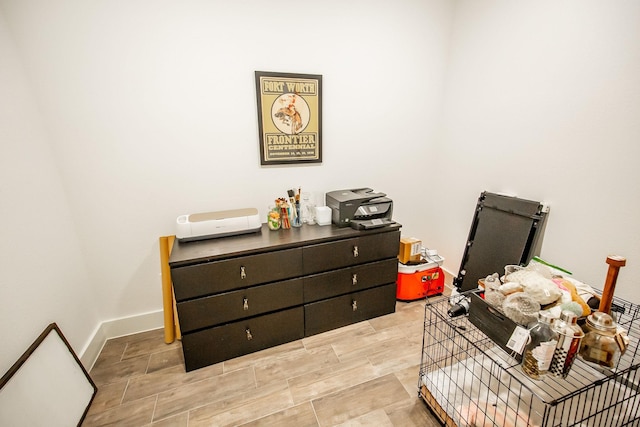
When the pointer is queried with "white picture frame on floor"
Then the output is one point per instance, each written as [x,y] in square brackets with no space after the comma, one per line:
[47,386]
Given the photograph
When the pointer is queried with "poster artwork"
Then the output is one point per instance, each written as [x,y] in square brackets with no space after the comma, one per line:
[289,117]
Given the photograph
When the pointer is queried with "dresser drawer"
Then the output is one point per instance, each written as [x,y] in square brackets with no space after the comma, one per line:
[347,252]
[229,306]
[350,279]
[225,342]
[219,276]
[344,310]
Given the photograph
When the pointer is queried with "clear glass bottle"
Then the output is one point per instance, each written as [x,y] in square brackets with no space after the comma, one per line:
[538,352]
[569,337]
[308,209]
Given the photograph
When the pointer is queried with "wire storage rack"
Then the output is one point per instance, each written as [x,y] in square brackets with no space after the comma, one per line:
[467,380]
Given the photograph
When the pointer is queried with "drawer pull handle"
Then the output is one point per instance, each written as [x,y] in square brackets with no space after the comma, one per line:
[354,279]
[355,251]
[354,305]
[249,336]
[243,273]
[245,304]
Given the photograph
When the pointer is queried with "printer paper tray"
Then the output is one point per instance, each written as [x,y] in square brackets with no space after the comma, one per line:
[368,224]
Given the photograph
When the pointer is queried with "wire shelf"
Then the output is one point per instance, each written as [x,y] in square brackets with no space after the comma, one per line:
[467,380]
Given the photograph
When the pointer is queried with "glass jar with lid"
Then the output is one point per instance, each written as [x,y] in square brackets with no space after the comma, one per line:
[273,218]
[603,343]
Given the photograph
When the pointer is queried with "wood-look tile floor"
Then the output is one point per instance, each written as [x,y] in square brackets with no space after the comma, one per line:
[362,374]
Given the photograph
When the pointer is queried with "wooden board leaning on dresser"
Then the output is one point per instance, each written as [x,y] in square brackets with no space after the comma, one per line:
[237,295]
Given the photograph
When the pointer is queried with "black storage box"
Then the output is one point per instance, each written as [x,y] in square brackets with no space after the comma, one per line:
[492,322]
[505,230]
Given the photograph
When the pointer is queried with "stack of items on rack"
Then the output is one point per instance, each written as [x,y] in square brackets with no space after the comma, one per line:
[419,272]
[543,298]
[523,291]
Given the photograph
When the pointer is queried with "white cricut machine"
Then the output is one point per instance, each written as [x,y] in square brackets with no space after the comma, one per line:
[209,225]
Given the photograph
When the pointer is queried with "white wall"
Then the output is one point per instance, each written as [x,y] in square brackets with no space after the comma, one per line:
[543,101]
[131,113]
[43,276]
[149,109]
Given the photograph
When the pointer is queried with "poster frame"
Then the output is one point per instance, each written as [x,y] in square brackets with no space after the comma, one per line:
[289,117]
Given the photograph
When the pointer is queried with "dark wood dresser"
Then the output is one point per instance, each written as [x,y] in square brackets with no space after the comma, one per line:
[237,295]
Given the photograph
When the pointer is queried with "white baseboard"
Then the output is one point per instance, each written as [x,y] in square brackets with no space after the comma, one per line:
[448,277]
[141,323]
[118,328]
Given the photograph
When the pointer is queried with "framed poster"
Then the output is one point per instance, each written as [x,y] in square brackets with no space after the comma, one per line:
[289,117]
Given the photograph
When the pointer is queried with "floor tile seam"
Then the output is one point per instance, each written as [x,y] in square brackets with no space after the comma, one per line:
[333,344]
[137,401]
[157,351]
[352,385]
[187,411]
[114,380]
[126,357]
[225,371]
[121,407]
[402,325]
[206,379]
[359,384]
[124,393]
[231,405]
[150,344]
[173,388]
[146,370]
[105,358]
[255,378]
[124,351]
[333,340]
[329,393]
[416,378]
[157,392]
[345,357]
[286,354]
[252,364]
[153,413]
[381,371]
[315,413]
[319,368]
[257,389]
[292,405]
[363,335]
[342,366]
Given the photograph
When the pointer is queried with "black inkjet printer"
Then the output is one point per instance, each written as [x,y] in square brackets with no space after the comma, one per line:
[360,208]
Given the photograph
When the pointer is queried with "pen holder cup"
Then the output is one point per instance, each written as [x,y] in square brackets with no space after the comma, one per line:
[296,217]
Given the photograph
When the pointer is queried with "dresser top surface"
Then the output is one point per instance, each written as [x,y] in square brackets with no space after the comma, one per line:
[187,253]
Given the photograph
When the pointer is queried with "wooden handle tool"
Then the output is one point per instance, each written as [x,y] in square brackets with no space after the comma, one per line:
[615,262]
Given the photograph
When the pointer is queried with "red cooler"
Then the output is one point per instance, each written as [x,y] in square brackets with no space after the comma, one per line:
[419,281]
